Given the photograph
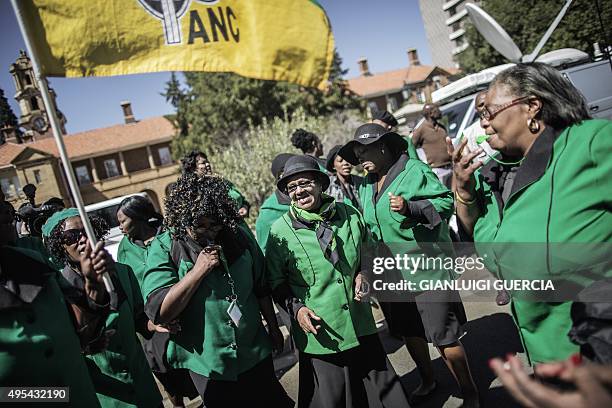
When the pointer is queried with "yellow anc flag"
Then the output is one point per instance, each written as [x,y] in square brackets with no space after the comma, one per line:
[283,40]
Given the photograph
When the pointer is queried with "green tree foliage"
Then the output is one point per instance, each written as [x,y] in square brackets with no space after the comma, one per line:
[246,162]
[7,117]
[527,20]
[216,108]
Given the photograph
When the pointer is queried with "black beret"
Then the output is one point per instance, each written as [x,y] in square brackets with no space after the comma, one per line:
[386,117]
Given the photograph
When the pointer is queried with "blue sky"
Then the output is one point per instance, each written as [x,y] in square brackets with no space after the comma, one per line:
[380,30]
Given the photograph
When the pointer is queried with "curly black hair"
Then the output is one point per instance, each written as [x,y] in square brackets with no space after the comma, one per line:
[55,241]
[188,162]
[193,197]
[304,140]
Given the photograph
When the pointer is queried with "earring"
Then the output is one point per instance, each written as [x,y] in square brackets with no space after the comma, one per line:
[382,151]
[533,125]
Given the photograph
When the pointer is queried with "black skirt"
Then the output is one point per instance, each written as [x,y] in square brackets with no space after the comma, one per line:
[359,377]
[255,387]
[435,316]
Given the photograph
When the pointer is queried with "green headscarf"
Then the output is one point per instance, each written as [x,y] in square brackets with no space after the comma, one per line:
[56,218]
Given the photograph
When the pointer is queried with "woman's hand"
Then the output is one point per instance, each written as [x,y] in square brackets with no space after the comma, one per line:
[173,327]
[208,259]
[94,264]
[277,339]
[397,203]
[362,287]
[304,316]
[592,382]
[464,168]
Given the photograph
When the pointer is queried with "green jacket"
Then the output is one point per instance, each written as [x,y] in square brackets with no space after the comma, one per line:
[561,194]
[38,342]
[134,256]
[209,343]
[294,257]
[237,196]
[271,210]
[414,181]
[120,373]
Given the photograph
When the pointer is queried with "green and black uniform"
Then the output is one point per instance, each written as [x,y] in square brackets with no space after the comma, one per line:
[312,259]
[271,210]
[176,381]
[559,195]
[422,229]
[120,373]
[39,346]
[230,365]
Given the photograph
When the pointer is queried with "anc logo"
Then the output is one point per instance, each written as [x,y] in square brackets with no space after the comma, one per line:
[170,11]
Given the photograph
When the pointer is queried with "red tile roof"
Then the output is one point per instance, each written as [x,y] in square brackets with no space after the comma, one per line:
[9,152]
[392,80]
[116,138]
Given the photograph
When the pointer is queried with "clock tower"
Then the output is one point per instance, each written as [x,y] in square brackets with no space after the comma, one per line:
[34,118]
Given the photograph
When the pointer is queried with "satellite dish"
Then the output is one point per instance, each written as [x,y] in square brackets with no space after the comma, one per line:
[499,38]
[494,33]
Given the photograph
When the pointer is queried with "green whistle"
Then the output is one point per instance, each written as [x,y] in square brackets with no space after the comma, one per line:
[481,138]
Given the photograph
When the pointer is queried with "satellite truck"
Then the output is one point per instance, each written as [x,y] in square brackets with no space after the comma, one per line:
[592,77]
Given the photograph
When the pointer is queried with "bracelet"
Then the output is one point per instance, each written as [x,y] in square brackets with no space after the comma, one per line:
[464,202]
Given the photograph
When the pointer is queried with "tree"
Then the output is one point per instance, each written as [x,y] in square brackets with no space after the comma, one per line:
[527,20]
[216,108]
[7,117]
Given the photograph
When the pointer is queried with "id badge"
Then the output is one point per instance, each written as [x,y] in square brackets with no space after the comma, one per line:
[234,312]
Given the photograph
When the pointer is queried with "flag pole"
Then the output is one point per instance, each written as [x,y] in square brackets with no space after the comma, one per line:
[57,134]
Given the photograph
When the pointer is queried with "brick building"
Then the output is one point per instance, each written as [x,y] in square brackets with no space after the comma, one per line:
[393,89]
[108,162]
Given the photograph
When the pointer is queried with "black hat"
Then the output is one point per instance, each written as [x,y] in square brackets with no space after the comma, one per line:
[385,116]
[302,164]
[368,134]
[331,156]
[278,164]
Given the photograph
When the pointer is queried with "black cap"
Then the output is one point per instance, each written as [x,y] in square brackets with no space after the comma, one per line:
[302,164]
[278,164]
[385,116]
[331,156]
[368,134]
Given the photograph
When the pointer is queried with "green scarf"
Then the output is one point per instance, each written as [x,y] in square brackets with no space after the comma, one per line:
[319,221]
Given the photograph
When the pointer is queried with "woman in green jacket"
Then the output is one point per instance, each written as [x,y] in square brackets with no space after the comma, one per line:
[208,272]
[275,205]
[551,185]
[406,209]
[120,373]
[140,224]
[313,260]
[42,335]
[197,162]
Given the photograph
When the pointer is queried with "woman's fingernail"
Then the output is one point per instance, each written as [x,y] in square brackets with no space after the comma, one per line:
[576,359]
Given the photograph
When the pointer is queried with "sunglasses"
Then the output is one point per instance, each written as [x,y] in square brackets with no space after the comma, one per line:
[304,185]
[72,236]
[487,114]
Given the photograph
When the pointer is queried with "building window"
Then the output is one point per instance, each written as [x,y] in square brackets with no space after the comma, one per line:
[373,107]
[391,104]
[110,165]
[459,41]
[164,155]
[82,175]
[420,96]
[34,103]
[456,26]
[37,177]
[10,186]
[28,79]
[452,11]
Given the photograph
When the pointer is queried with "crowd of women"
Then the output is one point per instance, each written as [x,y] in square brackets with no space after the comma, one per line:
[193,304]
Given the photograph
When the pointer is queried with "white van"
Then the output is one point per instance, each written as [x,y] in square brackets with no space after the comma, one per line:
[593,79]
[107,210]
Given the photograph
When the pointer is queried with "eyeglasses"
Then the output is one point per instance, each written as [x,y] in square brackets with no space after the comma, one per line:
[304,185]
[72,236]
[489,115]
